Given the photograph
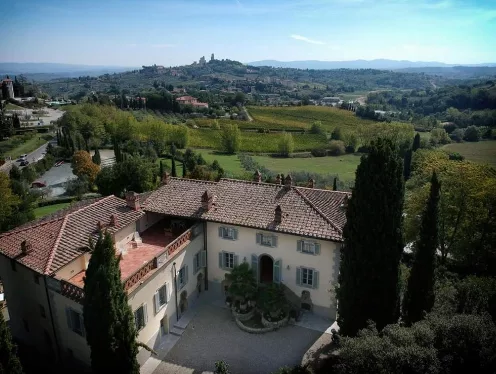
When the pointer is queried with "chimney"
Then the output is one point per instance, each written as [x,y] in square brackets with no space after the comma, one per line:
[99,225]
[288,182]
[113,220]
[278,179]
[132,200]
[257,177]
[26,247]
[207,200]
[165,178]
[278,214]
[311,183]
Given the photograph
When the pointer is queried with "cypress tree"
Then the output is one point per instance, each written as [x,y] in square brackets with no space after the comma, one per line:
[184,170]
[108,319]
[96,157]
[117,152]
[373,242]
[416,142]
[335,184]
[9,362]
[419,296]
[161,169]
[407,166]
[174,172]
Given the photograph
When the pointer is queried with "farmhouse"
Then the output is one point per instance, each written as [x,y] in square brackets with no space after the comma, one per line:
[174,244]
[190,100]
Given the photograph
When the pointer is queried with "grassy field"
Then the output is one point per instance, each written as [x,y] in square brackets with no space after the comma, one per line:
[179,166]
[483,152]
[11,106]
[254,141]
[230,163]
[16,145]
[49,209]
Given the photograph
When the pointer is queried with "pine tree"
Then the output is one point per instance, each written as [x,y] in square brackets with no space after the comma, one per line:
[9,362]
[96,157]
[373,242]
[407,165]
[108,319]
[335,184]
[416,142]
[174,172]
[161,169]
[419,296]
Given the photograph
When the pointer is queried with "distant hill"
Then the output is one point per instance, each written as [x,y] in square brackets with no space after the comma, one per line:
[381,64]
[46,71]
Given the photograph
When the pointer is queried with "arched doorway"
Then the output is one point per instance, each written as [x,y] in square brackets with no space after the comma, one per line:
[266,269]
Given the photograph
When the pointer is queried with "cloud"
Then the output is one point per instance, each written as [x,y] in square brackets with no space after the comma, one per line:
[305,39]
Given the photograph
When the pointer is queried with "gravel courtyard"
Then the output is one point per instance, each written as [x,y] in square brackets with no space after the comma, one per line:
[213,335]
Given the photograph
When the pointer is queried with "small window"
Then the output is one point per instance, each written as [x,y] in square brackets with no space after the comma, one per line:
[36,278]
[13,265]
[75,321]
[182,277]
[26,325]
[307,277]
[228,233]
[160,298]
[308,247]
[267,240]
[227,260]
[140,317]
[199,261]
[42,311]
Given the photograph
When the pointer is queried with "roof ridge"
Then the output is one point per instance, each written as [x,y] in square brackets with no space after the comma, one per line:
[193,180]
[87,206]
[319,211]
[24,228]
[322,189]
[54,248]
[252,182]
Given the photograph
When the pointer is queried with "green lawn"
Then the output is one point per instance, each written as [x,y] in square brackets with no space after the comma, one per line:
[168,163]
[483,152]
[344,166]
[14,147]
[49,209]
[11,106]
[230,163]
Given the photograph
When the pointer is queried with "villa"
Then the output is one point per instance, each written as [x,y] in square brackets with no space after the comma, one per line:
[174,243]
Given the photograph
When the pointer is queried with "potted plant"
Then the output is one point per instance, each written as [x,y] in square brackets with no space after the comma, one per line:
[272,301]
[243,285]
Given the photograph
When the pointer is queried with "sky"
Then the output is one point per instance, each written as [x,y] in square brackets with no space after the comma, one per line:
[177,32]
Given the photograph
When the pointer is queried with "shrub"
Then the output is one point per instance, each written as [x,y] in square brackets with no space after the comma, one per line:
[230,138]
[319,152]
[439,136]
[317,128]
[337,134]
[350,149]
[286,144]
[77,187]
[472,134]
[457,135]
[456,156]
[336,148]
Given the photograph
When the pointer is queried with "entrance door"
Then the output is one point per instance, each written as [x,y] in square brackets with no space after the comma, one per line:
[266,269]
[164,325]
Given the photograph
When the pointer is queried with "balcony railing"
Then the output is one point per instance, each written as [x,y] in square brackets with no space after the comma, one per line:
[71,291]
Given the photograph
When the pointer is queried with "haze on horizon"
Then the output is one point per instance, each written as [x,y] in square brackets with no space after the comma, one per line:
[166,32]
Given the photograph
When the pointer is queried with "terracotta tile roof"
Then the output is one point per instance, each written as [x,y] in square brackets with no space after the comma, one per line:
[62,237]
[316,214]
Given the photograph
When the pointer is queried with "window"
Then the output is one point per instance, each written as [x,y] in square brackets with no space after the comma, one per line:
[228,233]
[42,311]
[13,265]
[160,298]
[75,321]
[140,317]
[227,260]
[36,278]
[308,247]
[307,277]
[182,277]
[199,261]
[267,240]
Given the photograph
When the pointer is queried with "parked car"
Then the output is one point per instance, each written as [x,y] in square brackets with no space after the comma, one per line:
[24,163]
[23,157]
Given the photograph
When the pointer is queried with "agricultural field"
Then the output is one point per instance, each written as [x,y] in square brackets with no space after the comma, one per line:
[345,166]
[483,152]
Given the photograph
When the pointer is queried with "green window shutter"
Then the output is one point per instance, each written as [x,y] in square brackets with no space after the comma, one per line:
[235,234]
[221,260]
[221,229]
[186,274]
[274,241]
[254,265]
[298,276]
[156,302]
[317,248]
[145,313]
[236,260]
[203,258]
[259,238]
[276,273]
[315,279]
[68,315]
[299,246]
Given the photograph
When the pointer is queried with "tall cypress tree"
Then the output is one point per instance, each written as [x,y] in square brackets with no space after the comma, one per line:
[416,142]
[419,296]
[108,319]
[335,184]
[9,362]
[174,172]
[161,169]
[96,157]
[184,170]
[407,166]
[373,242]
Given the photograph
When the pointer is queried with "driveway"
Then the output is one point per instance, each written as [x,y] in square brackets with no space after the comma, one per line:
[212,335]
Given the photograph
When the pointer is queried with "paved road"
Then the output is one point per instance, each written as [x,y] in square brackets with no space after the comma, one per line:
[33,156]
[213,335]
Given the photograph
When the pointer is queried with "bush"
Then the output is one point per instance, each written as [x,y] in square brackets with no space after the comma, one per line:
[350,149]
[230,138]
[472,134]
[319,152]
[336,148]
[439,136]
[337,134]
[317,128]
[456,156]
[77,187]
[286,144]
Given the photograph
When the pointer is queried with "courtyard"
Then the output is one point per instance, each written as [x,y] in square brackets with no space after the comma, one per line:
[212,335]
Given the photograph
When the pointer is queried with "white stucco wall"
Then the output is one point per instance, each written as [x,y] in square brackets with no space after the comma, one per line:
[326,263]
[125,234]
[24,298]
[148,220]
[75,266]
